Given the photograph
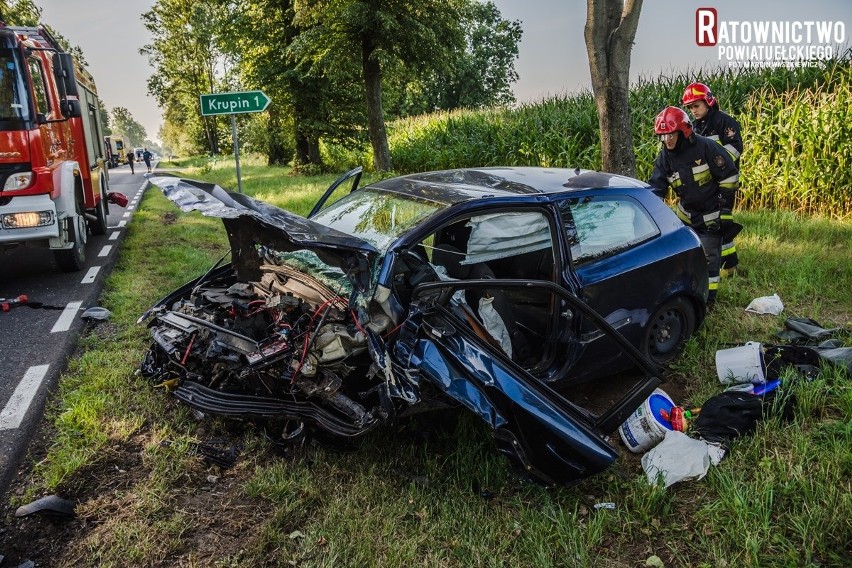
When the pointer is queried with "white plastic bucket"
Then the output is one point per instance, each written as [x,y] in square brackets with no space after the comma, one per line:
[646,428]
[740,365]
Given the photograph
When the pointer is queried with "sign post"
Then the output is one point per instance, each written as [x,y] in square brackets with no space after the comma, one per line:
[237,102]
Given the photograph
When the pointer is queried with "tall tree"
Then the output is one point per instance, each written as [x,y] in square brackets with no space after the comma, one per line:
[305,108]
[478,76]
[123,123]
[420,35]
[185,56]
[610,31]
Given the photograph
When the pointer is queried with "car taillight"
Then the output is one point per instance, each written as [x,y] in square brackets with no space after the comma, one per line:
[27,219]
[19,180]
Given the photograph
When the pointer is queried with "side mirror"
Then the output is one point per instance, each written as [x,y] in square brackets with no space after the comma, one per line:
[41,118]
[63,70]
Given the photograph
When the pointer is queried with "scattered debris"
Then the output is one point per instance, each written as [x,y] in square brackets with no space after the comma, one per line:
[51,506]
[213,452]
[677,458]
[96,313]
[766,305]
[117,198]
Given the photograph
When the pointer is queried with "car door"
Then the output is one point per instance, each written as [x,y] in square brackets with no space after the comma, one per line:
[326,199]
[617,257]
[551,438]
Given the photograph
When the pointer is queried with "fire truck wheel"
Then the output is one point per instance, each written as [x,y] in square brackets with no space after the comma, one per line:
[73,259]
[99,225]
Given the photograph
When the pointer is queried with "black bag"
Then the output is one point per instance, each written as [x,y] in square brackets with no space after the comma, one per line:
[728,415]
[731,414]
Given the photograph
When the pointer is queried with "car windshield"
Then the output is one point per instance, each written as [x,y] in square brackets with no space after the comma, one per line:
[13,91]
[376,216]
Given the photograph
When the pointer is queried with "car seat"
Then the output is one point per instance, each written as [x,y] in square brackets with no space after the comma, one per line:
[450,258]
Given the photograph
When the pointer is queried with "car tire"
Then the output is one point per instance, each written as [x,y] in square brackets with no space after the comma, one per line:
[74,258]
[99,225]
[668,330]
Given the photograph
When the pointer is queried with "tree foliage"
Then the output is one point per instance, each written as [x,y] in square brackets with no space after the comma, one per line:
[185,56]
[341,35]
[124,124]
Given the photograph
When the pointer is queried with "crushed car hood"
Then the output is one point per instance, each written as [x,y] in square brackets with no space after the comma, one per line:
[251,223]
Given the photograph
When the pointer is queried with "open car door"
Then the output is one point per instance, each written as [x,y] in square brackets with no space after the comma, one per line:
[554,440]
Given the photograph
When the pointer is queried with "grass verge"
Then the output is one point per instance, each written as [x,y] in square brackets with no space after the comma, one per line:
[425,493]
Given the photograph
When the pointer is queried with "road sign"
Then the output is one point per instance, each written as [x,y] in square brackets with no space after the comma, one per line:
[237,102]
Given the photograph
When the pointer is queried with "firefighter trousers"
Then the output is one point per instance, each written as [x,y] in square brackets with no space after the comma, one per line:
[711,242]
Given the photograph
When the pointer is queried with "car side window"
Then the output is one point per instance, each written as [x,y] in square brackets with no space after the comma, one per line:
[601,226]
[39,89]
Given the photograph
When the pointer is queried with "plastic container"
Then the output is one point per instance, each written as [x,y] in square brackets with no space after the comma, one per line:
[646,427]
[740,365]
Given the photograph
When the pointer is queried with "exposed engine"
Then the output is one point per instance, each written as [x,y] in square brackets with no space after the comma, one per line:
[286,347]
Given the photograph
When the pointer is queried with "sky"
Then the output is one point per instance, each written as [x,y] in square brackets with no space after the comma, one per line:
[552,58]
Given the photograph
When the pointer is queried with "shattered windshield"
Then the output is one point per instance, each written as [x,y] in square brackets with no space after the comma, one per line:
[13,91]
[376,216]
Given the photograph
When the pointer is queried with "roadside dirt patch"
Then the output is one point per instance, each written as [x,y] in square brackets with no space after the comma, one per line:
[168,218]
[218,512]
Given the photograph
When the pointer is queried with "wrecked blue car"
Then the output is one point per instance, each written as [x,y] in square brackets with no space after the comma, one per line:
[514,293]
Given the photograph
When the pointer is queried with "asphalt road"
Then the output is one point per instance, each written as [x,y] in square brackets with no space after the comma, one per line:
[35,343]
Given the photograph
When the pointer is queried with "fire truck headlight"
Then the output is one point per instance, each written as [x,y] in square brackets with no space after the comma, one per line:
[19,180]
[27,219]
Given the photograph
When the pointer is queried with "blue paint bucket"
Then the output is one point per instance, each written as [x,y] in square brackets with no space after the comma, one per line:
[646,428]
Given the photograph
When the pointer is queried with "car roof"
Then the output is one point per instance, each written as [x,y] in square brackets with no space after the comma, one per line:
[454,186]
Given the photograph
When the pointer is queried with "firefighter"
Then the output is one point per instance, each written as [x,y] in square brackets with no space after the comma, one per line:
[131,157]
[712,123]
[698,170]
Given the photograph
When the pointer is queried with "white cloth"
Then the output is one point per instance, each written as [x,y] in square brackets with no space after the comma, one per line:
[766,305]
[678,458]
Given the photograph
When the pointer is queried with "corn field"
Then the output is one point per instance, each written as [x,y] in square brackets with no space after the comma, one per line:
[795,123]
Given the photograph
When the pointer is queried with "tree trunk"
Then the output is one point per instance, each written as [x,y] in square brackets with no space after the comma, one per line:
[375,116]
[277,151]
[211,134]
[610,30]
[307,150]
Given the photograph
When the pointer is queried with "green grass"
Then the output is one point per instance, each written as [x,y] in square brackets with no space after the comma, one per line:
[783,497]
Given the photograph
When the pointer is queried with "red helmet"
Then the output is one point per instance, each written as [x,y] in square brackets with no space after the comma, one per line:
[698,92]
[671,120]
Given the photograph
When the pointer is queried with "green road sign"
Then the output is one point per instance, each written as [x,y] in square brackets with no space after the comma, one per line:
[233,103]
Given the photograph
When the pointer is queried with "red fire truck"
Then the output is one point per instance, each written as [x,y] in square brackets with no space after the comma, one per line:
[52,169]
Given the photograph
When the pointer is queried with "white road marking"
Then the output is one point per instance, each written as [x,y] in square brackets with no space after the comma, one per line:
[67,316]
[122,224]
[15,410]
[130,207]
[127,214]
[105,250]
[90,275]
[114,236]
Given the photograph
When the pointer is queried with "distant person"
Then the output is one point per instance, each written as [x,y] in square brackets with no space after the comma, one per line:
[698,170]
[146,155]
[130,159]
[723,129]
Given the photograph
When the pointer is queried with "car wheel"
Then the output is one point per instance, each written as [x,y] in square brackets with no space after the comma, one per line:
[99,225]
[668,329]
[74,258]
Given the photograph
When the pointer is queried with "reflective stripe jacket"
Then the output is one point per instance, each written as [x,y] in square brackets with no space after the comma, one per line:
[723,129]
[698,171]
